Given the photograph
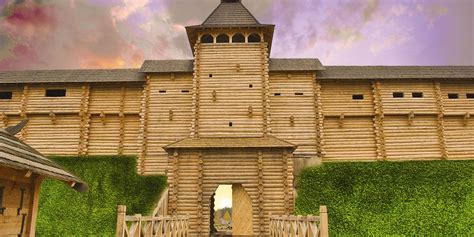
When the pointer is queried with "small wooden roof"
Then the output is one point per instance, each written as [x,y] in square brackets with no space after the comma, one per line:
[16,154]
[229,143]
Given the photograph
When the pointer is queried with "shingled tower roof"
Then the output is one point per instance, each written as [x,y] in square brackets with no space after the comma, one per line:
[231,12]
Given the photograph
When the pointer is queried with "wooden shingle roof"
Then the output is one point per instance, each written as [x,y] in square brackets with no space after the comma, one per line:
[71,76]
[16,154]
[231,12]
[241,142]
[275,64]
[397,72]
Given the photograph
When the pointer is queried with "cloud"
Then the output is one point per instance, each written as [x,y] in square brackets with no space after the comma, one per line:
[127,8]
[432,11]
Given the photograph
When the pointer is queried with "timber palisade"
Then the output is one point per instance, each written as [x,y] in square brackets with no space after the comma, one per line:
[233,115]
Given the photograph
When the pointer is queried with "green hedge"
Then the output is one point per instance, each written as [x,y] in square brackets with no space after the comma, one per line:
[112,181]
[391,199]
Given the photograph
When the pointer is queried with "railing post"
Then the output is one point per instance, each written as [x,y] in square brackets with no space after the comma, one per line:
[121,211]
[324,223]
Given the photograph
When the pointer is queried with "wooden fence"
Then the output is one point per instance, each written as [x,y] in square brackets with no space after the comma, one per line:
[150,226]
[300,226]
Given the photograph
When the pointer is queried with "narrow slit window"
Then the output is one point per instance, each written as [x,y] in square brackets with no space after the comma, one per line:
[163,91]
[185,91]
[398,95]
[231,124]
[55,93]
[358,97]
[453,96]
[277,94]
[250,86]
[470,95]
[210,75]
[6,95]
[299,93]
[417,94]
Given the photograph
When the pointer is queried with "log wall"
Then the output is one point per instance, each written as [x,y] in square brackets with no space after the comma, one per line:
[230,90]
[293,109]
[320,116]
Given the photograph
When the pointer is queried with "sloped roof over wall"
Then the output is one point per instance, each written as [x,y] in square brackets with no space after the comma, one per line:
[16,154]
[241,142]
[397,72]
[275,64]
[71,76]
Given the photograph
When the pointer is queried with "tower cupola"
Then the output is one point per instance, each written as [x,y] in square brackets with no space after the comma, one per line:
[230,22]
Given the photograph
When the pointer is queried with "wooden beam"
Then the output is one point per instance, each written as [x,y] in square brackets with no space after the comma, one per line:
[265,90]
[34,202]
[319,117]
[379,120]
[123,92]
[85,121]
[144,114]
[196,91]
[23,109]
[440,120]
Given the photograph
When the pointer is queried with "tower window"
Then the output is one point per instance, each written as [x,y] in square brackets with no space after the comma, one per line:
[55,93]
[207,39]
[6,95]
[250,86]
[254,38]
[299,93]
[185,91]
[453,96]
[238,38]
[231,124]
[357,97]
[223,38]
[470,95]
[277,94]
[163,91]
[398,95]
[210,75]
[417,94]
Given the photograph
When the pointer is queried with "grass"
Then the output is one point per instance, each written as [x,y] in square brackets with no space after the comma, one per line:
[112,181]
[391,199]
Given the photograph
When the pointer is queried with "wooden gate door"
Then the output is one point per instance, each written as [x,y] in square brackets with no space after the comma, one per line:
[242,223]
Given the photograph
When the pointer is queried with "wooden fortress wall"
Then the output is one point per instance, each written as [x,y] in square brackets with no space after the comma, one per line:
[196,174]
[320,116]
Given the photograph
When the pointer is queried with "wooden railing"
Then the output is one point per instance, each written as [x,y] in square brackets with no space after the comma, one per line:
[300,226]
[162,206]
[150,226]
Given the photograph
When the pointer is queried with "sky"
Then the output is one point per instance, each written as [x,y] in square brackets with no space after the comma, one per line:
[86,34]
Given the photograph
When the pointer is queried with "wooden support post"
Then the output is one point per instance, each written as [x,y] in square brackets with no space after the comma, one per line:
[23,109]
[319,116]
[286,184]
[85,121]
[379,121]
[261,198]
[265,90]
[324,224]
[123,93]
[440,120]
[174,200]
[144,114]
[200,194]
[121,225]
[34,202]
[196,91]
